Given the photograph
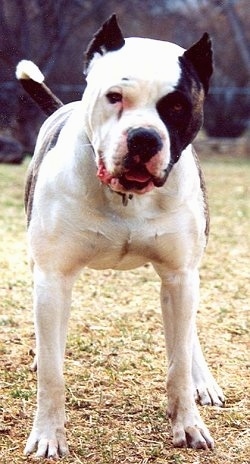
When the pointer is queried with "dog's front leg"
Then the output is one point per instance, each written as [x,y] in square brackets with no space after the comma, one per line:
[179,298]
[52,295]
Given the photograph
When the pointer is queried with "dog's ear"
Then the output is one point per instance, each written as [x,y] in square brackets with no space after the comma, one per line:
[201,56]
[107,39]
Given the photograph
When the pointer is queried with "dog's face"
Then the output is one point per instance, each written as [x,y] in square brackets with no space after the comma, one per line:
[144,105]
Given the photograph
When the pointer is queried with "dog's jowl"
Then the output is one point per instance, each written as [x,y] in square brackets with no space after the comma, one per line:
[115,183]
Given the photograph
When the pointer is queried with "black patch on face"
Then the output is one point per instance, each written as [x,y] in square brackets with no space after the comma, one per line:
[182,110]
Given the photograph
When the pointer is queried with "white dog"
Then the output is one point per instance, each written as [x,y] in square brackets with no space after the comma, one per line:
[115,183]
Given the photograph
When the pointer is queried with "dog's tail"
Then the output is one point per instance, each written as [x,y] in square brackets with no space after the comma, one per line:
[32,81]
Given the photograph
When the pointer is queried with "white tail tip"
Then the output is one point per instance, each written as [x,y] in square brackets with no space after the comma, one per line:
[28,70]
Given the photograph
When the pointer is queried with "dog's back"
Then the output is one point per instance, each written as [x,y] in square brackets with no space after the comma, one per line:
[47,139]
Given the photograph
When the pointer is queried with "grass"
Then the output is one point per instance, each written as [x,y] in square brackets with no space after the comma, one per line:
[115,361]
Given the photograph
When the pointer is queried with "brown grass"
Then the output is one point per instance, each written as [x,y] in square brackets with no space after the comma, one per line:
[115,363]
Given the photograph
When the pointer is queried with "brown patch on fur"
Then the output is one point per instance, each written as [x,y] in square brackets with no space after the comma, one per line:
[49,141]
[174,410]
[204,192]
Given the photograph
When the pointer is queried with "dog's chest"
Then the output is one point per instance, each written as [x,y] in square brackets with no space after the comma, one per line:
[123,241]
[118,245]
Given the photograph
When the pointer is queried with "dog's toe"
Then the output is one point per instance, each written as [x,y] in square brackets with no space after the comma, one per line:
[32,443]
[47,448]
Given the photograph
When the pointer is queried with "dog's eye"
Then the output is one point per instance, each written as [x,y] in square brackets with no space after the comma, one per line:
[114,97]
[173,108]
[177,107]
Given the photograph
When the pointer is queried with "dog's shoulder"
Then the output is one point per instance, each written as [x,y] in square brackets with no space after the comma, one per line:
[46,140]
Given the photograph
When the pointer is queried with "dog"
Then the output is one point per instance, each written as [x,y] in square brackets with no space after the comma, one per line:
[115,183]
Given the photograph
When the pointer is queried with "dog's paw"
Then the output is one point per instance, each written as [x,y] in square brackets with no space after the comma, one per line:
[193,436]
[206,390]
[209,394]
[47,445]
[189,431]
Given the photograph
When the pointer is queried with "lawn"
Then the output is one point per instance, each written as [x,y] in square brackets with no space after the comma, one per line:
[115,360]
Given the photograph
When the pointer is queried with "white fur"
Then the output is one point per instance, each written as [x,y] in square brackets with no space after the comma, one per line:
[28,70]
[77,221]
[150,67]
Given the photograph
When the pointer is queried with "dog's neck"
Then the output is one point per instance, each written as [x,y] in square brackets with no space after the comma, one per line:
[125,196]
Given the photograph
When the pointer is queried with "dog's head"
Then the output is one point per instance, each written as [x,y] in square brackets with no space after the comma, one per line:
[144,105]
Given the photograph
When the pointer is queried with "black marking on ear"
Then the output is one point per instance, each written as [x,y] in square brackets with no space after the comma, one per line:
[107,39]
[200,55]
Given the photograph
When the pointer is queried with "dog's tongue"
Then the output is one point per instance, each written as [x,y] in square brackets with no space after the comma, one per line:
[132,175]
[137,176]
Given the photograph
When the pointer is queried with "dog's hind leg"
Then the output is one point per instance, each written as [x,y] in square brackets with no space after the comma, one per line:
[52,296]
[206,389]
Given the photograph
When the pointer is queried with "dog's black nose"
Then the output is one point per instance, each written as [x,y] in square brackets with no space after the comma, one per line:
[144,143]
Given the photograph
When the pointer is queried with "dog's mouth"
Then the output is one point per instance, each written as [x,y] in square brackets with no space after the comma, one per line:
[134,179]
[137,178]
[139,163]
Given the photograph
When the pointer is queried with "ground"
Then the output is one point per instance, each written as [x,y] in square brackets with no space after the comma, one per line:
[115,362]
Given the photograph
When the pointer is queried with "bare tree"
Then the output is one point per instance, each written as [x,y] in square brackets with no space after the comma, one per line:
[54,34]
[240,36]
[39,30]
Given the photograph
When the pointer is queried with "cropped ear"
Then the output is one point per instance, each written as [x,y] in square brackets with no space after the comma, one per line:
[201,56]
[107,39]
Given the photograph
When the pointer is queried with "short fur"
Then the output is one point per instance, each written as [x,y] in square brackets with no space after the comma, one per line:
[115,183]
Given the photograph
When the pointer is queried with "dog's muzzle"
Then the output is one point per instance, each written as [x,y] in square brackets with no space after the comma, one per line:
[143,144]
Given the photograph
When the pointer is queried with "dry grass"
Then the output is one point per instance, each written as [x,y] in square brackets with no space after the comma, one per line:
[115,364]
